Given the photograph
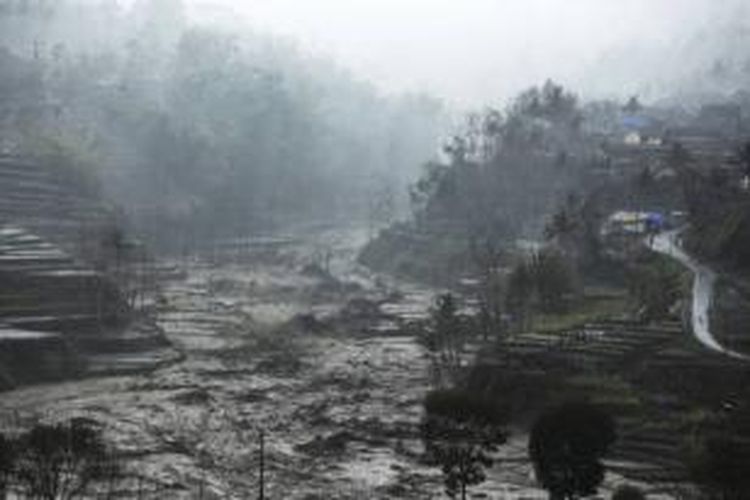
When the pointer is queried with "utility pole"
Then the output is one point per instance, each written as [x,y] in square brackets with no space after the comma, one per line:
[262,467]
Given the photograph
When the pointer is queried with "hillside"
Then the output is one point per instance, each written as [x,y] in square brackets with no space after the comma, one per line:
[64,299]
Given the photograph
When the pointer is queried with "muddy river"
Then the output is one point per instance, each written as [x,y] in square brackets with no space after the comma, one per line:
[297,343]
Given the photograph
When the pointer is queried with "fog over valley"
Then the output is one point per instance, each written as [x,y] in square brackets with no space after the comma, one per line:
[374,249]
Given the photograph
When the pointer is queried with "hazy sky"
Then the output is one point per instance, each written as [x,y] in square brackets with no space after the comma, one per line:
[474,51]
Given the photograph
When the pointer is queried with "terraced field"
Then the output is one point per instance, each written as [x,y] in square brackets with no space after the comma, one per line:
[61,312]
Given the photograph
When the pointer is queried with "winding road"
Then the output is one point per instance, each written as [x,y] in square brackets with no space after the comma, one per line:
[667,243]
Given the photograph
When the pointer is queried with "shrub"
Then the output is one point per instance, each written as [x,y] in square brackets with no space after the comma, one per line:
[460,431]
[566,446]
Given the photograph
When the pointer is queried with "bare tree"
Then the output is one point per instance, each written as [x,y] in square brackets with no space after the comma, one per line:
[62,461]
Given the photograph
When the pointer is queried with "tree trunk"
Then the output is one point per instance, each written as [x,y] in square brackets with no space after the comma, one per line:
[262,485]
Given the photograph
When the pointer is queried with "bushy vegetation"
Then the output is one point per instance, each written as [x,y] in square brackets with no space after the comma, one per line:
[59,461]
[566,446]
[444,338]
[719,209]
[544,281]
[656,284]
[461,431]
[472,198]
[628,492]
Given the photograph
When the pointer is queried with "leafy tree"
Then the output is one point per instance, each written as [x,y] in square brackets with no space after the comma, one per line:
[566,446]
[553,278]
[564,223]
[575,230]
[487,255]
[537,143]
[655,284]
[520,293]
[633,105]
[460,431]
[445,336]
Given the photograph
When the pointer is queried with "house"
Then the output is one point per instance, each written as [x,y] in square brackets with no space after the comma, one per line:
[633,223]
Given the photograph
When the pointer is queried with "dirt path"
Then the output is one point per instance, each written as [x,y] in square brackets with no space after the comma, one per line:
[703,285]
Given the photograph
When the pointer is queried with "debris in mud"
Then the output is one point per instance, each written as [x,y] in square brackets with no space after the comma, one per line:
[335,444]
[338,443]
[307,322]
[283,357]
[281,363]
[252,396]
[315,270]
[363,309]
[198,397]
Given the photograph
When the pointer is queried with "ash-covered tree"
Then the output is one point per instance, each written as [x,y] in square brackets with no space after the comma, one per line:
[460,431]
[566,446]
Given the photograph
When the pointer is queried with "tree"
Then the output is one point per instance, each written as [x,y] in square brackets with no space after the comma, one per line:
[566,446]
[487,257]
[520,293]
[460,431]
[544,275]
[444,338]
[552,277]
[60,461]
[633,105]
[656,284]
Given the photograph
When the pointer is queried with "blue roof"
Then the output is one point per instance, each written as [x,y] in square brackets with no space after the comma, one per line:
[632,121]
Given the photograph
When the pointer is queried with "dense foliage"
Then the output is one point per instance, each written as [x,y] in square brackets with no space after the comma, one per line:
[566,446]
[461,431]
[538,144]
[56,461]
[497,182]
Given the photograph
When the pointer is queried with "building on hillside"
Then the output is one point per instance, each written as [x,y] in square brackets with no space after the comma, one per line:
[641,130]
[633,223]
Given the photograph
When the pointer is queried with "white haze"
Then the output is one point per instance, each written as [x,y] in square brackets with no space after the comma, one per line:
[475,52]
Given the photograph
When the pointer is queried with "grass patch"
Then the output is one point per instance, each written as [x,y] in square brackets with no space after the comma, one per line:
[609,391]
[589,309]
